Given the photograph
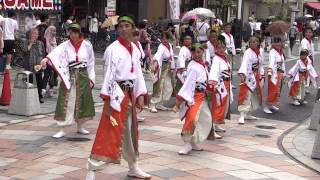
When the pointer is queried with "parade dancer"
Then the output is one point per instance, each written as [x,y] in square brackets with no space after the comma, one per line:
[298,75]
[231,49]
[276,74]
[122,90]
[136,42]
[307,43]
[210,52]
[251,75]
[220,82]
[183,61]
[74,61]
[163,64]
[194,105]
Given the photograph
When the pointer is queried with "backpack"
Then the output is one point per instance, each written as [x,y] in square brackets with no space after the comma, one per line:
[292,32]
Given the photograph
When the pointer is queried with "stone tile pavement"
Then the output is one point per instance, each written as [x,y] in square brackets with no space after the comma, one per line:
[299,142]
[27,151]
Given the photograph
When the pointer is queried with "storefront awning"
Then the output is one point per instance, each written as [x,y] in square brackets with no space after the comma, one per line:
[313,5]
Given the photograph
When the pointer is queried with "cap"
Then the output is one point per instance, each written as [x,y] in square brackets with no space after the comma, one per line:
[126,19]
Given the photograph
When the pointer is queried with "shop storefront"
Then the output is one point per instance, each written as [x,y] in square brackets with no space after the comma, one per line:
[28,10]
[312,8]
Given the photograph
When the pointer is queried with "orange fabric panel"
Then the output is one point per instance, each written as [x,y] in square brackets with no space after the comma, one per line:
[218,112]
[242,93]
[192,112]
[107,144]
[274,90]
[294,89]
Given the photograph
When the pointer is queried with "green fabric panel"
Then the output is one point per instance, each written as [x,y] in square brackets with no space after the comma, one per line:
[86,100]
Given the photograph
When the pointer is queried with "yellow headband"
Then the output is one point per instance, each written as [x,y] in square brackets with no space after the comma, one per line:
[127,19]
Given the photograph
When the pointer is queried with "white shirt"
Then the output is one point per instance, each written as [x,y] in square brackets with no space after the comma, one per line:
[196,73]
[164,54]
[118,67]
[9,27]
[229,43]
[305,44]
[94,26]
[202,28]
[184,56]
[275,60]
[62,55]
[210,52]
[250,58]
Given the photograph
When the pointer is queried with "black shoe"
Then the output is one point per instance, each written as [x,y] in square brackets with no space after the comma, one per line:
[41,101]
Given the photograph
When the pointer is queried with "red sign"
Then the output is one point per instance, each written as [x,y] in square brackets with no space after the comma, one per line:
[28,4]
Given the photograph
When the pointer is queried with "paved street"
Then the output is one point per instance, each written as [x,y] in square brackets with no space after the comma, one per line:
[246,152]
[27,150]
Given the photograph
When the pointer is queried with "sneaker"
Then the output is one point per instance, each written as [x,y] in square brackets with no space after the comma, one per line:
[138,173]
[274,108]
[43,92]
[250,117]
[8,66]
[304,102]
[267,110]
[196,147]
[219,129]
[162,108]
[153,110]
[233,87]
[59,134]
[186,149]
[83,131]
[140,119]
[241,120]
[307,91]
[296,103]
[90,175]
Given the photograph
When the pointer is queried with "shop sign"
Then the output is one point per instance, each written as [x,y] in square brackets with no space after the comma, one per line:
[110,10]
[32,4]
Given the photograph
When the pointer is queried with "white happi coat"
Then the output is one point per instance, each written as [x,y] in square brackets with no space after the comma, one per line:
[230,43]
[305,44]
[65,53]
[301,67]
[164,54]
[118,64]
[274,59]
[216,73]
[184,56]
[210,52]
[250,58]
[195,73]
[141,50]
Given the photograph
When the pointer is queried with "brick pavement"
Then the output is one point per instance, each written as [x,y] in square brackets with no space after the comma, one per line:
[27,151]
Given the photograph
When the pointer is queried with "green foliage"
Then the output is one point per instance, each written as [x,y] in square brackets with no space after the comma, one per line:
[224,3]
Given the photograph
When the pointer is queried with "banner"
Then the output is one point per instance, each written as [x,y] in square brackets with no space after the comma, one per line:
[174,9]
[32,4]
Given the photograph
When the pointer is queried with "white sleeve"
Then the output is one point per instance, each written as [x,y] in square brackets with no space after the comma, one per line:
[143,55]
[159,55]
[90,65]
[294,69]
[187,90]
[208,59]
[271,60]
[233,46]
[261,68]
[181,59]
[244,64]
[303,45]
[139,84]
[214,71]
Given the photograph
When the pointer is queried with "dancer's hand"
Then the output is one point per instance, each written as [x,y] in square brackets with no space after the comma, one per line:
[113,121]
[139,103]
[44,62]
[175,109]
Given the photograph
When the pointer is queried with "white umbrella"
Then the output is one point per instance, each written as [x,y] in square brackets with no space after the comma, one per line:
[308,15]
[198,13]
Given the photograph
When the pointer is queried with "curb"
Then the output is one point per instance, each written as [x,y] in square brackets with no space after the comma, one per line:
[286,145]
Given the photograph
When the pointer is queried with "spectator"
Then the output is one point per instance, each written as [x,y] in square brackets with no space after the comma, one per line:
[145,40]
[216,26]
[94,28]
[10,26]
[66,24]
[293,34]
[246,32]
[253,25]
[190,30]
[236,25]
[49,74]
[313,24]
[42,29]
[202,29]
[34,50]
